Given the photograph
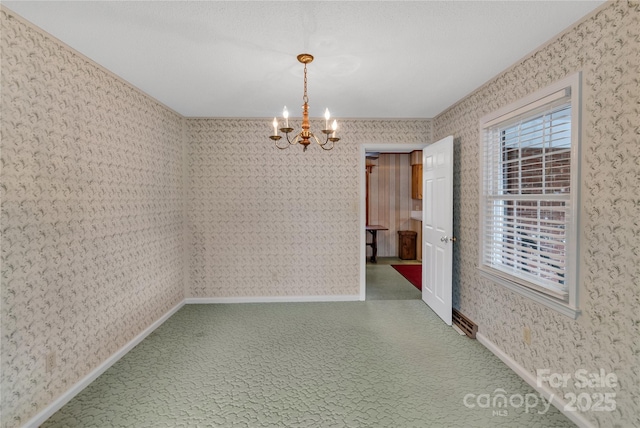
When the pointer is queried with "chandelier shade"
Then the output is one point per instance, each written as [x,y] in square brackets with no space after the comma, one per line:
[305,136]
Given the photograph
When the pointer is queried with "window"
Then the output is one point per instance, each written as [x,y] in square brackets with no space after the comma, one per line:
[528,198]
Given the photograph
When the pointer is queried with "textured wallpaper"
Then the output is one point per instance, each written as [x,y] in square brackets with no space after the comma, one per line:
[91,216]
[93,213]
[94,197]
[269,222]
[606,48]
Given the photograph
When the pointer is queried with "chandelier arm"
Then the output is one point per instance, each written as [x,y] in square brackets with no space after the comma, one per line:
[296,139]
[278,146]
[291,143]
[325,141]
[286,132]
[311,134]
[322,146]
[326,145]
[327,133]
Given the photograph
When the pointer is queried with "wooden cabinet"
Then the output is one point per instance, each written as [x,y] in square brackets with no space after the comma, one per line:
[416,174]
[407,244]
[416,181]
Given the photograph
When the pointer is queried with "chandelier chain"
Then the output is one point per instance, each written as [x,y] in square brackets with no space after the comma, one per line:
[304,97]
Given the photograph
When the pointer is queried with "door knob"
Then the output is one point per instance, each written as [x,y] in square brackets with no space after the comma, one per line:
[444,239]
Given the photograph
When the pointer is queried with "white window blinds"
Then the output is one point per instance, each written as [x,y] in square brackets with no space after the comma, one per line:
[527,194]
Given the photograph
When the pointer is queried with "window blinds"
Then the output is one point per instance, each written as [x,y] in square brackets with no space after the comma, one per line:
[527,195]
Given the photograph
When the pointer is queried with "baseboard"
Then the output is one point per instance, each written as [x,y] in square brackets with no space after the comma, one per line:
[547,393]
[56,405]
[272,299]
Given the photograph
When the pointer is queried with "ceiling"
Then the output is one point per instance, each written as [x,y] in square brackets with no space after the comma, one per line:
[373,59]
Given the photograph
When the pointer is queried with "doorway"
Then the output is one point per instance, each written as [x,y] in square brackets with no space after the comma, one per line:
[364,149]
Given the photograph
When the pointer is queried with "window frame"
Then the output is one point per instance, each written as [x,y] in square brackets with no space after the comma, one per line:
[531,104]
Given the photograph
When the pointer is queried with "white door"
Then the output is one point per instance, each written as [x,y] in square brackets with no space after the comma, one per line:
[437,226]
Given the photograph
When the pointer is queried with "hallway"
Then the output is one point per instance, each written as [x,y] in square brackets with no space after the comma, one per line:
[385,283]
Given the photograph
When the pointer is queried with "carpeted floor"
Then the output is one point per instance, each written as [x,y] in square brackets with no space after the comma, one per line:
[389,363]
[385,283]
[413,274]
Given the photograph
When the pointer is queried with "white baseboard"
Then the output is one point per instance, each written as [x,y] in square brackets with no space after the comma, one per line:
[547,393]
[272,299]
[56,405]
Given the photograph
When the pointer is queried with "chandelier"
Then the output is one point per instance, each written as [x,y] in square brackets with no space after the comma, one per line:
[304,137]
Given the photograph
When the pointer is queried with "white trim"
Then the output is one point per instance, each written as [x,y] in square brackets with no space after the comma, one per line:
[557,401]
[363,220]
[58,403]
[572,81]
[536,296]
[528,108]
[393,148]
[271,299]
[573,263]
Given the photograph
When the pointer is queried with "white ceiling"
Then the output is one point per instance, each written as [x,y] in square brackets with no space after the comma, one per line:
[375,59]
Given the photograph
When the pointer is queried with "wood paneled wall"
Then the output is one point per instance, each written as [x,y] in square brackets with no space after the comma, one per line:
[390,202]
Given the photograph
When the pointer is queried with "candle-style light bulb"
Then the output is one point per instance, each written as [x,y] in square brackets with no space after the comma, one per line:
[285,114]
[275,126]
[334,126]
[327,116]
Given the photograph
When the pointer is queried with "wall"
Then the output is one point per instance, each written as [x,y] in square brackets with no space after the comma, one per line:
[269,222]
[91,216]
[606,48]
[94,210]
[91,179]
[390,201]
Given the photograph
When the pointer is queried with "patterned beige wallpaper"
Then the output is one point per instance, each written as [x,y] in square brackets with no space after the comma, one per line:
[91,216]
[92,178]
[606,48]
[94,208]
[266,222]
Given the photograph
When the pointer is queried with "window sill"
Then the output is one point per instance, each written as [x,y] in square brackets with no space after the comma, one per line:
[538,297]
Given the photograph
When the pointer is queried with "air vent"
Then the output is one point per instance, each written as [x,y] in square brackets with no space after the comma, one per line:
[465,324]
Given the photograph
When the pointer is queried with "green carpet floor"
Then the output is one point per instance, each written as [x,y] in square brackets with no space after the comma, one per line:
[379,363]
[386,283]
